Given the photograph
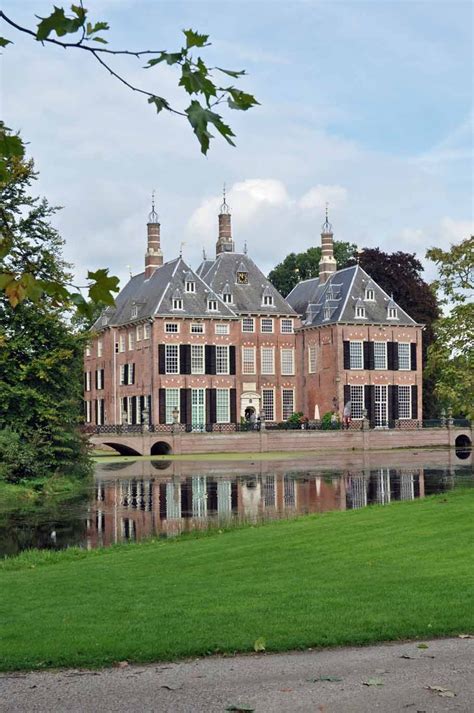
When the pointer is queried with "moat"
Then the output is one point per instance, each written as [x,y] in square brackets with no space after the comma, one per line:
[133,500]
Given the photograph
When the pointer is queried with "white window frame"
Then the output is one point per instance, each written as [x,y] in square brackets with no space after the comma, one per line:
[369,294]
[172,401]
[285,368]
[88,414]
[197,359]
[221,329]
[287,326]
[134,312]
[171,328]
[404,354]
[138,333]
[267,360]
[212,305]
[121,343]
[100,347]
[227,297]
[267,301]
[88,350]
[392,313]
[100,420]
[312,359]
[171,358]
[131,340]
[404,404]
[222,406]
[360,313]
[146,331]
[248,324]
[284,407]
[357,403]
[197,328]
[177,304]
[190,287]
[222,359]
[382,356]
[267,322]
[356,350]
[88,381]
[247,366]
[100,379]
[269,416]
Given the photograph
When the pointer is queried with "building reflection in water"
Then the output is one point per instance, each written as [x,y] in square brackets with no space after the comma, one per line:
[132,508]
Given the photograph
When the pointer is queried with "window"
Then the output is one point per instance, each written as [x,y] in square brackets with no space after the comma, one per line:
[392,313]
[404,402]
[222,406]
[122,343]
[197,358]
[131,340]
[266,325]
[403,356]
[248,360]
[139,333]
[88,350]
[100,412]
[171,403]
[177,303]
[312,359]
[146,331]
[87,381]
[222,329]
[99,379]
[327,313]
[190,286]
[134,312]
[288,403]
[357,402]
[248,324]
[171,359]
[88,412]
[267,360]
[268,403]
[356,355]
[287,362]
[380,355]
[369,295]
[197,328]
[360,312]
[105,320]
[127,374]
[287,326]
[171,327]
[100,348]
[268,301]
[227,297]
[222,360]
[212,305]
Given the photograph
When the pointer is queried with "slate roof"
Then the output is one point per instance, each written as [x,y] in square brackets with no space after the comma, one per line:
[247,299]
[154,297]
[336,299]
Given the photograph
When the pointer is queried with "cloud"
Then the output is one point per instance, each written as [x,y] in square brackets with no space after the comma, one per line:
[456,230]
[318,196]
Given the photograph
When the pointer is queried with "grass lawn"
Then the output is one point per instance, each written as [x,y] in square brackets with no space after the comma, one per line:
[402,571]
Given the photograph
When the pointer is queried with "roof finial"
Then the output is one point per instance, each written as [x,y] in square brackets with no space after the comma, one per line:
[359,252]
[153,215]
[130,270]
[181,249]
[327,227]
[224,207]
[245,248]
[204,256]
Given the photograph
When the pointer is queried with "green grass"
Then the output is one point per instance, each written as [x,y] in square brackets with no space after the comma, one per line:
[382,573]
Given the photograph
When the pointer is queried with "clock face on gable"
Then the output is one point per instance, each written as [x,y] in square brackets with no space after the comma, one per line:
[242,278]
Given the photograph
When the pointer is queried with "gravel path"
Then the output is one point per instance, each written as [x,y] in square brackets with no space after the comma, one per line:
[400,677]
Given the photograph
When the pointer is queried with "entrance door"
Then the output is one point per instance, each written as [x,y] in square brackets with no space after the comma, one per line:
[198,409]
[381,404]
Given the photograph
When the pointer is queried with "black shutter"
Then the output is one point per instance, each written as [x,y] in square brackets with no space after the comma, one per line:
[85,381]
[371,355]
[395,356]
[212,406]
[366,348]
[103,378]
[208,406]
[347,354]
[414,401]
[413,356]
[212,497]
[185,406]
[96,379]
[232,369]
[392,403]
[132,374]
[233,405]
[134,409]
[184,358]
[125,374]
[187,498]
[150,414]
[347,393]
[141,408]
[162,405]
[390,356]
[162,490]
[161,358]
[210,359]
[369,403]
[96,411]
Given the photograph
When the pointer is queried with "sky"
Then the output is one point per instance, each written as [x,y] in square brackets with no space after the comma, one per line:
[365,105]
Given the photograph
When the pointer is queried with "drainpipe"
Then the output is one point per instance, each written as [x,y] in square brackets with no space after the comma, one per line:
[115,377]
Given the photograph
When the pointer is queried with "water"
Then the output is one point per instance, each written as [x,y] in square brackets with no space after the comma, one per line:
[134,500]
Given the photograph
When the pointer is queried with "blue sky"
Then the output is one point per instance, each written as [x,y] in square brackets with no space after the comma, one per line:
[365,104]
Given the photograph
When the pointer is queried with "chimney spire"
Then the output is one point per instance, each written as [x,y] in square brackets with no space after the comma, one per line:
[327,264]
[153,255]
[224,244]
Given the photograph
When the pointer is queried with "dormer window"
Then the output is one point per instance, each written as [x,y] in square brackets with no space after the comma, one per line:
[369,294]
[392,313]
[134,312]
[190,286]
[177,303]
[327,313]
[227,297]
[212,305]
[242,276]
[268,300]
[105,320]
[360,312]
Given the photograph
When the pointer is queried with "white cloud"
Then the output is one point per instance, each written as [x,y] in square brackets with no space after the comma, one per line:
[317,197]
[456,230]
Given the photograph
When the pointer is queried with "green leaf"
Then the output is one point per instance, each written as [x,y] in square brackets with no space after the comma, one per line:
[5,279]
[10,144]
[194,39]
[159,103]
[259,644]
[240,100]
[199,118]
[4,42]
[98,27]
[169,58]
[231,72]
[99,39]
[59,23]
[197,81]
[102,286]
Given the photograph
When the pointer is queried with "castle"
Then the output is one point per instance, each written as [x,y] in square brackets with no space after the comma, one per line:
[219,345]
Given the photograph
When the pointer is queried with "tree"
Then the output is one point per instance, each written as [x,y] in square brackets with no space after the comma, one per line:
[40,357]
[451,356]
[399,274]
[302,266]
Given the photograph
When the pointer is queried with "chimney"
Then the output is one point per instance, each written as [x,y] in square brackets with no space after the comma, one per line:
[153,255]
[327,264]
[225,244]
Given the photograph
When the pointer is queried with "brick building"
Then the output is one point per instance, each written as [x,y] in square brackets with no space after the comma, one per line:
[220,344]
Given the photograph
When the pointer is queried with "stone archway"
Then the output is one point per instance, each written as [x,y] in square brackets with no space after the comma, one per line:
[249,403]
[160,448]
[122,449]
